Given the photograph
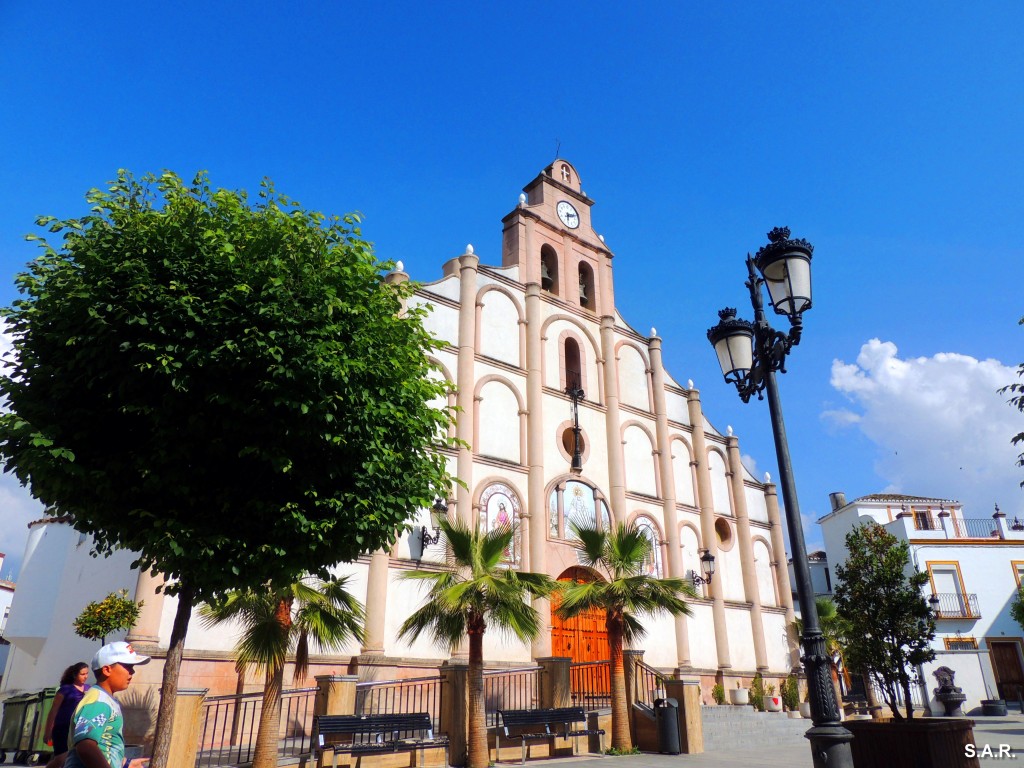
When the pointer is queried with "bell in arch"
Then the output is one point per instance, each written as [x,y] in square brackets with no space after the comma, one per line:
[584,299]
[545,276]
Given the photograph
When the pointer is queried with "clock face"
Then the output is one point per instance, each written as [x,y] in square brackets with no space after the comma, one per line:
[568,215]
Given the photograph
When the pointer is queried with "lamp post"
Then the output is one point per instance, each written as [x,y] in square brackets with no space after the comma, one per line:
[750,354]
[576,394]
[707,567]
[438,511]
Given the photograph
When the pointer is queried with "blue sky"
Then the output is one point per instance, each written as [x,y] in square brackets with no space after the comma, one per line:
[888,136]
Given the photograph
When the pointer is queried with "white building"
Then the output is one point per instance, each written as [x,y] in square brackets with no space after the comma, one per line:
[521,332]
[974,564]
[6,597]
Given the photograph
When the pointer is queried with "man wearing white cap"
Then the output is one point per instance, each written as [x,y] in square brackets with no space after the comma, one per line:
[97,735]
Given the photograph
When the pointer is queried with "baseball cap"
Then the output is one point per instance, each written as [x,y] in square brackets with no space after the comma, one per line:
[117,653]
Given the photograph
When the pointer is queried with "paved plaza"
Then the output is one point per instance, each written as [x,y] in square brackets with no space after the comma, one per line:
[993,731]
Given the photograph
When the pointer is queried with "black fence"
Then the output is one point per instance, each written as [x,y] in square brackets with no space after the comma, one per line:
[230,725]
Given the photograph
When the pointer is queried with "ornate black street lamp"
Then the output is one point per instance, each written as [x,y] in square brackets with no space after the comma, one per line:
[576,394]
[437,512]
[750,354]
[707,567]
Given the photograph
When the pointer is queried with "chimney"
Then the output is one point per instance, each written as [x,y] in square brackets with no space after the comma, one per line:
[838,500]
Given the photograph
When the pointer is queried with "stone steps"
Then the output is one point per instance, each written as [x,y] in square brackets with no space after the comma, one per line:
[729,727]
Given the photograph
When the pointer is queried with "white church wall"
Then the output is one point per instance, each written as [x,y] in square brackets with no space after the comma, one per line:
[676,408]
[728,568]
[757,508]
[443,320]
[682,473]
[763,571]
[638,454]
[498,422]
[689,542]
[633,388]
[741,646]
[499,327]
[719,483]
[703,653]
[658,644]
[776,640]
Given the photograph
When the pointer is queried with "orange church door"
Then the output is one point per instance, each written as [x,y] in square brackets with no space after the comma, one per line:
[583,639]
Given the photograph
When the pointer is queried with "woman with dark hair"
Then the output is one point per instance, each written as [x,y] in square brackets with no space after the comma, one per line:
[58,722]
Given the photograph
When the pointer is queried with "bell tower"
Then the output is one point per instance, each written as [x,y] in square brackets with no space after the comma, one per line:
[550,238]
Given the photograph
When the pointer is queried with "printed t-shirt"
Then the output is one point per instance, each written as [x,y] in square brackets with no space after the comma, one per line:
[98,717]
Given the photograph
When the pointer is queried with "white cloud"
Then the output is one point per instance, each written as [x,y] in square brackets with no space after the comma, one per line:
[940,426]
[750,463]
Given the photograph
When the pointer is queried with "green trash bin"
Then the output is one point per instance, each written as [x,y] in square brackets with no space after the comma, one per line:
[15,709]
[32,742]
[21,733]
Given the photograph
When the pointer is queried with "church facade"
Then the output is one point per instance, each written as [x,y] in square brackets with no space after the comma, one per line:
[534,343]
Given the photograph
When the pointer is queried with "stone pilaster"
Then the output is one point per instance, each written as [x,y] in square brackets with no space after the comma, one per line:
[535,504]
[616,466]
[466,379]
[668,493]
[771,498]
[707,524]
[750,590]
[146,629]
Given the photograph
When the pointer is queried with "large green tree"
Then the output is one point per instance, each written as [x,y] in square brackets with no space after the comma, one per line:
[476,588]
[1017,401]
[276,621]
[889,623]
[226,386]
[625,592]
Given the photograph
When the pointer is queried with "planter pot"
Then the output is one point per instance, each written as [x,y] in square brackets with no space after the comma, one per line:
[794,714]
[934,742]
[805,709]
[772,703]
[739,696]
[993,707]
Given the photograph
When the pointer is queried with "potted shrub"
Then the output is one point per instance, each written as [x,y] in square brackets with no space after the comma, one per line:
[890,629]
[805,705]
[739,695]
[790,692]
[771,702]
[757,692]
[718,694]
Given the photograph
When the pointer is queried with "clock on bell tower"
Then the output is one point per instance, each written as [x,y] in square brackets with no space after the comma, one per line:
[550,238]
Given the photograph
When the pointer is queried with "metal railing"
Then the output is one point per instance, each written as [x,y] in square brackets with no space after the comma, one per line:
[510,689]
[976,528]
[590,684]
[648,685]
[915,695]
[230,725]
[417,694]
[925,522]
[954,605]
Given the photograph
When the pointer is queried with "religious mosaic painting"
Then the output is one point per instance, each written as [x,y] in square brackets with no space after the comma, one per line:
[500,508]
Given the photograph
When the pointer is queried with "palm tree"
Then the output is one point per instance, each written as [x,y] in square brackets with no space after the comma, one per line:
[621,556]
[833,630]
[475,589]
[279,620]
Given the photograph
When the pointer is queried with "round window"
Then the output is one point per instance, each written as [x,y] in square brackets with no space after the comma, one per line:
[723,533]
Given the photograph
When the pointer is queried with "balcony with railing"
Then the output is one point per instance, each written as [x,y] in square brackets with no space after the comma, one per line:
[957,605]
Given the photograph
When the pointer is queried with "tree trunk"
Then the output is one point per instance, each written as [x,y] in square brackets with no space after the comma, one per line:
[169,685]
[907,701]
[621,738]
[869,691]
[265,754]
[478,752]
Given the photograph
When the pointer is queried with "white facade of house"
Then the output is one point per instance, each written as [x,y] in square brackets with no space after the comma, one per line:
[520,333]
[6,597]
[975,562]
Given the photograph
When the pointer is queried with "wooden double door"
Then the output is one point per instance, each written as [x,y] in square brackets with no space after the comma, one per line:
[584,638]
[1005,656]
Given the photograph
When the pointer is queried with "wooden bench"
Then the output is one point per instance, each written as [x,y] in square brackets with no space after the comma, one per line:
[375,734]
[537,724]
